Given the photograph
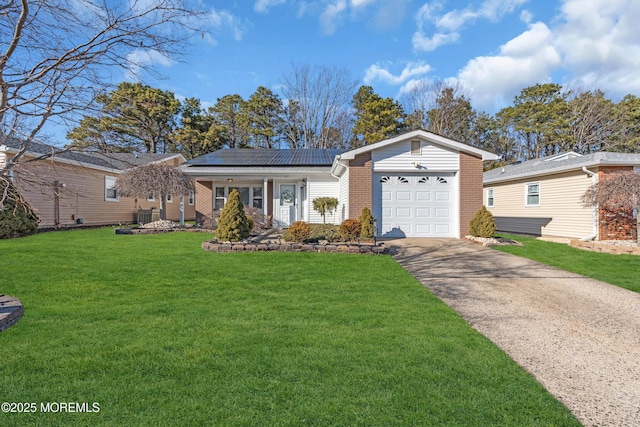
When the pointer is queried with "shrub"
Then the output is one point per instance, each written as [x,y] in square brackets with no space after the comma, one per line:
[297,232]
[325,205]
[350,229]
[260,220]
[17,218]
[233,225]
[327,232]
[366,222]
[482,224]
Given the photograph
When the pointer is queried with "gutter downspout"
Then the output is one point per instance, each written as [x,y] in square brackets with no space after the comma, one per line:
[594,179]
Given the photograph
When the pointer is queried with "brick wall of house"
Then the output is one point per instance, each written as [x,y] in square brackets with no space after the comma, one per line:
[618,225]
[470,190]
[204,200]
[360,182]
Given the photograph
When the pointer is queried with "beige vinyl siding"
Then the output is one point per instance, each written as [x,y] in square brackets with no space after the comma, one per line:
[398,158]
[83,195]
[560,212]
[322,187]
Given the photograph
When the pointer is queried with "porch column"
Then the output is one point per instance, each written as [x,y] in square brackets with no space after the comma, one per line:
[265,196]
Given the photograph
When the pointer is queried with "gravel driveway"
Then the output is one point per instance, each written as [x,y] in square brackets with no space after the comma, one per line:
[579,337]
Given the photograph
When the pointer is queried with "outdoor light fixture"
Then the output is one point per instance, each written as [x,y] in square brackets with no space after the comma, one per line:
[229,179]
[416,165]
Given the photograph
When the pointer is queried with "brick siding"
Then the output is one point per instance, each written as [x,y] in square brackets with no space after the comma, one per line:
[618,225]
[470,181]
[360,182]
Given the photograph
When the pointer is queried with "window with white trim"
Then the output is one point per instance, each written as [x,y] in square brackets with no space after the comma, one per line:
[257,197]
[489,197]
[533,194]
[169,198]
[219,200]
[110,190]
[151,197]
[192,197]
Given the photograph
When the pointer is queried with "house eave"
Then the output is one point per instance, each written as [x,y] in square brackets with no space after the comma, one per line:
[547,172]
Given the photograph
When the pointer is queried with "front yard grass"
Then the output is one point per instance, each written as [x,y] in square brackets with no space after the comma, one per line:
[619,270]
[159,332]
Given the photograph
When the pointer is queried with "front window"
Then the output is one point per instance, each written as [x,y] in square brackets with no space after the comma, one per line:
[110,190]
[257,197]
[244,194]
[533,194]
[169,198]
[219,202]
[490,197]
[192,197]
[151,197]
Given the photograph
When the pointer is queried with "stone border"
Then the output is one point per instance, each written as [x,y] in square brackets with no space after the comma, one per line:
[215,246]
[139,230]
[11,310]
[604,248]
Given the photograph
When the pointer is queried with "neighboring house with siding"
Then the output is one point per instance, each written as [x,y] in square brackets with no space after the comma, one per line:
[543,197]
[72,189]
[418,184]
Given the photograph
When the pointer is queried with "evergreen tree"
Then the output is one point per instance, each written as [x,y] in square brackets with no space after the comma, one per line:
[233,225]
[377,118]
[366,223]
[482,224]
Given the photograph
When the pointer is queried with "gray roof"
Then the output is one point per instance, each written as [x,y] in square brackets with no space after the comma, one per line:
[558,164]
[247,157]
[117,161]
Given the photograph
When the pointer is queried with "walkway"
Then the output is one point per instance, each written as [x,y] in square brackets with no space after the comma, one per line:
[579,337]
[11,311]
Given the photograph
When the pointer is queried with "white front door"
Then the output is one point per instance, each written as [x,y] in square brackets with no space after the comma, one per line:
[287,207]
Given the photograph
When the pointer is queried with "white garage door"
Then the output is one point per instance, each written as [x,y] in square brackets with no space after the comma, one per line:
[415,205]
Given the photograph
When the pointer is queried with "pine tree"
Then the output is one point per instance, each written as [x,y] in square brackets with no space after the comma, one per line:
[233,225]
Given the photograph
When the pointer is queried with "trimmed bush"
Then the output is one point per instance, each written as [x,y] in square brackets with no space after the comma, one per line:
[350,229]
[482,224]
[328,232]
[297,232]
[366,222]
[17,217]
[324,206]
[233,225]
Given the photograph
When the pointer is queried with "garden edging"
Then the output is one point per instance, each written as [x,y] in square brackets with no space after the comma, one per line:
[214,246]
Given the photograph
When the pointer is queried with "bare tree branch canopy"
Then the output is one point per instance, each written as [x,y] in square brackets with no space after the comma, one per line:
[317,98]
[56,56]
[620,190]
[158,178]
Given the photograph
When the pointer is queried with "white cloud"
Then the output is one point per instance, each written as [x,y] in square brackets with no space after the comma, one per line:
[412,69]
[223,21]
[331,16]
[360,3]
[449,24]
[525,60]
[600,44]
[262,6]
[423,43]
[139,59]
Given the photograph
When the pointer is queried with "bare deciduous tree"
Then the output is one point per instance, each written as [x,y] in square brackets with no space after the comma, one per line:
[618,192]
[316,99]
[56,56]
[154,178]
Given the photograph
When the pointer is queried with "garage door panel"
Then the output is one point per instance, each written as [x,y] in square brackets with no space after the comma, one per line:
[423,212]
[443,229]
[403,212]
[403,196]
[442,213]
[424,196]
[387,212]
[386,195]
[442,196]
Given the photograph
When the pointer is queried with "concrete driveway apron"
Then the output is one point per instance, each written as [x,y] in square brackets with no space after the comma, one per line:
[578,336]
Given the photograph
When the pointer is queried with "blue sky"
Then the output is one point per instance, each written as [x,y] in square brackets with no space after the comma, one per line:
[491,49]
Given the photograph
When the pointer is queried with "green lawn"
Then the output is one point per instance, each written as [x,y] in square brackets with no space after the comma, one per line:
[619,270]
[159,332]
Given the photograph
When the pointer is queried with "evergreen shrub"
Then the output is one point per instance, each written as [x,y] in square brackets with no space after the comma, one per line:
[482,224]
[233,225]
[366,222]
